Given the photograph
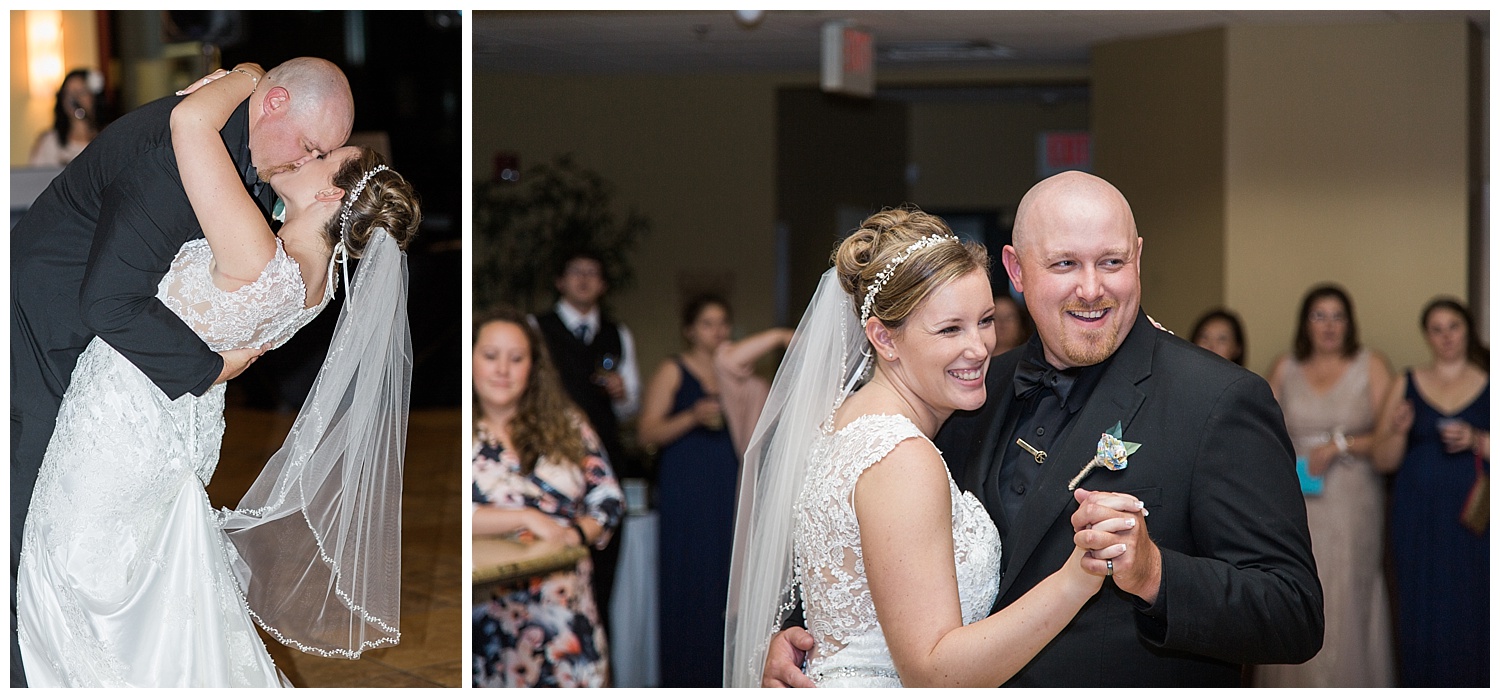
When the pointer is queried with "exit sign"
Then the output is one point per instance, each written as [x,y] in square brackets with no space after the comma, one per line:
[1060,151]
[848,60]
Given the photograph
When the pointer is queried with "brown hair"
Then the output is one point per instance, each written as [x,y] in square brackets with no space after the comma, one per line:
[1235,328]
[387,201]
[1302,344]
[1473,348]
[544,424]
[862,256]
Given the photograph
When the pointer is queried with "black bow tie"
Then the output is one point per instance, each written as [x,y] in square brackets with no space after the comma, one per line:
[1032,376]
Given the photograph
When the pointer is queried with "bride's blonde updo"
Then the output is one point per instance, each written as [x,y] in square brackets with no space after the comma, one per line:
[885,236]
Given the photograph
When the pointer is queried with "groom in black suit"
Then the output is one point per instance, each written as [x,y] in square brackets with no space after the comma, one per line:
[1221,574]
[87,257]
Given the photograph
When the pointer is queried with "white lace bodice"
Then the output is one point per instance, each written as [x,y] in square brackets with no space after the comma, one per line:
[850,645]
[267,311]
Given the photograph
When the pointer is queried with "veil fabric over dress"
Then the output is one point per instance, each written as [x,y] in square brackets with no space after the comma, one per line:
[129,578]
[794,467]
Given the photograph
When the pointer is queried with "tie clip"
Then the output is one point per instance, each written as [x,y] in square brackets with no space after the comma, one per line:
[1040,456]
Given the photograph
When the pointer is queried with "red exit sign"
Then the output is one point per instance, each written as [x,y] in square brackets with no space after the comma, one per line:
[848,60]
[1059,151]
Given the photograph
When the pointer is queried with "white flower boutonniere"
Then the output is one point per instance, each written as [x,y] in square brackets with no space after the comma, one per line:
[1112,453]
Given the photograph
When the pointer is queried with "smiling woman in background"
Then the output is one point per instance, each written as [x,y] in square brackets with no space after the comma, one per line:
[539,471]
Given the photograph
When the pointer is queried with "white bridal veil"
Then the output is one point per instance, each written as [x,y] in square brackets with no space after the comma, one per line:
[318,535]
[826,358]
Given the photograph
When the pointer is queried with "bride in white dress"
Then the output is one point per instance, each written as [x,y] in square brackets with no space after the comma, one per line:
[847,508]
[127,576]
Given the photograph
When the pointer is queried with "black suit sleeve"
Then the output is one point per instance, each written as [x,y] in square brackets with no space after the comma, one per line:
[1249,593]
[144,218]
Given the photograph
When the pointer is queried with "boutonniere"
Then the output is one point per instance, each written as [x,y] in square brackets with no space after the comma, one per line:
[1112,453]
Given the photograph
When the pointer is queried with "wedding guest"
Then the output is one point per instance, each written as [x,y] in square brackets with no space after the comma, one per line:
[742,393]
[594,354]
[539,472]
[1330,389]
[1012,323]
[1434,433]
[1220,332]
[75,120]
[595,357]
[696,473]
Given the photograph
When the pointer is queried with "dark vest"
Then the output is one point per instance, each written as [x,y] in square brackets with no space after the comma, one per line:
[576,363]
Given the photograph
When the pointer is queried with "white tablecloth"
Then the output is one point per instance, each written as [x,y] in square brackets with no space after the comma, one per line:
[633,608]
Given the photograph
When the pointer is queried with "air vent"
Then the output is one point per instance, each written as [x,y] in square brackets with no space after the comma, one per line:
[921,51]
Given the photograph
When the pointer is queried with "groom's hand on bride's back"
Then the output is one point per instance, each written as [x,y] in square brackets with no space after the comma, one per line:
[784,659]
[237,360]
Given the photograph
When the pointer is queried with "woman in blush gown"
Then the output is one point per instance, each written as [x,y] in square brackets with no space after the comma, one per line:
[127,576]
[1330,388]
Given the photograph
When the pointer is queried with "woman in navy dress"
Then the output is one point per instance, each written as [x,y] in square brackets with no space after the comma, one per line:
[1435,435]
[696,476]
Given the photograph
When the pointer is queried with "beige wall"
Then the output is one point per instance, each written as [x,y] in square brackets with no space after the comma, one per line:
[1158,126]
[1261,161]
[30,116]
[1346,162]
[695,154]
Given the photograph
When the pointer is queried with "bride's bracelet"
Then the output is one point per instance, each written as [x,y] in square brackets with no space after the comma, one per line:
[254,80]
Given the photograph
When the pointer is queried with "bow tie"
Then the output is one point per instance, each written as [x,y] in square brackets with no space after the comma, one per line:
[1032,376]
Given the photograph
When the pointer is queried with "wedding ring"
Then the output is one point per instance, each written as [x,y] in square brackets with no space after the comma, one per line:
[1109,565]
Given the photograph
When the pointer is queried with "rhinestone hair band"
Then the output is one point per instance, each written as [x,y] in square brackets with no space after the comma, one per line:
[890,270]
[354,196]
[341,249]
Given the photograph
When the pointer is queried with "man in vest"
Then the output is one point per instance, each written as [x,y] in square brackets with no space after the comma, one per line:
[596,359]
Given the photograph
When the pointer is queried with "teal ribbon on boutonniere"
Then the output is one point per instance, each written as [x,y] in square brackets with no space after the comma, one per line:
[1113,453]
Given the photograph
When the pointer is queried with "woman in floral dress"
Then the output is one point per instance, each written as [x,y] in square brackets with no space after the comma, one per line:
[539,472]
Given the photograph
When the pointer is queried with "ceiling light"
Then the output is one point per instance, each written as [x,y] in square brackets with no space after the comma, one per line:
[749,19]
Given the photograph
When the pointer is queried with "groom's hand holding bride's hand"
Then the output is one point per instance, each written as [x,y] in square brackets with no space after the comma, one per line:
[1107,519]
[784,659]
[237,360]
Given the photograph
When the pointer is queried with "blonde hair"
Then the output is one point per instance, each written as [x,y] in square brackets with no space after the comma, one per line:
[862,257]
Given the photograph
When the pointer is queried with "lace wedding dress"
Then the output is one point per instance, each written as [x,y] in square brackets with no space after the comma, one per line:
[850,649]
[125,576]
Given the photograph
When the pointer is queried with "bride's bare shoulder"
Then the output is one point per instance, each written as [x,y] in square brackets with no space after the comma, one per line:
[864,402]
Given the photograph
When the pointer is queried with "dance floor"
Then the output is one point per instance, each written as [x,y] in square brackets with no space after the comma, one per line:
[433,581]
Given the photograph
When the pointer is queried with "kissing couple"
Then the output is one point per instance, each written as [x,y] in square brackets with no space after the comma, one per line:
[143,278]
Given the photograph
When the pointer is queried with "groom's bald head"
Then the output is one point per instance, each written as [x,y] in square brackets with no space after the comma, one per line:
[301,109]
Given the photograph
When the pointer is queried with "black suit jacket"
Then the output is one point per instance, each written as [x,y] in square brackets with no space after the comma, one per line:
[87,257]
[1216,471]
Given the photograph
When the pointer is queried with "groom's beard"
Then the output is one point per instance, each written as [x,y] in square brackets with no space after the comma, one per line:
[265,174]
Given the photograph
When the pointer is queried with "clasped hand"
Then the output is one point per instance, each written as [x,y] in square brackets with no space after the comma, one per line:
[1111,527]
